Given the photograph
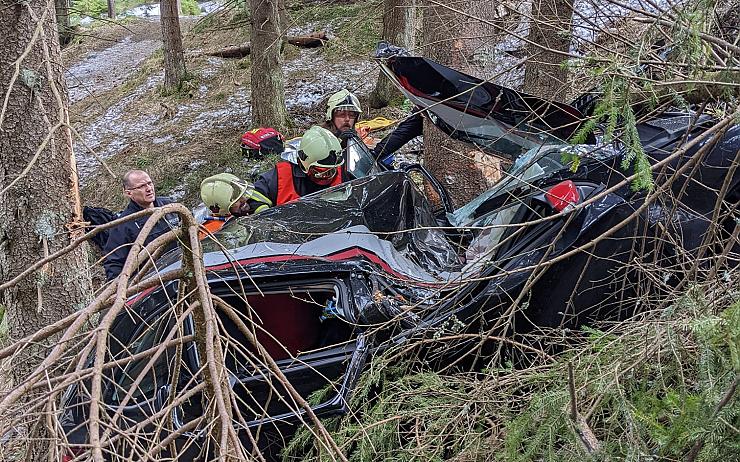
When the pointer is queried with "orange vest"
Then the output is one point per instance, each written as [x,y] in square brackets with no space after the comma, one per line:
[286,188]
[210,226]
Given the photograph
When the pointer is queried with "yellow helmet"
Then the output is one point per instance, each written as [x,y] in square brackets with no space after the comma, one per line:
[220,192]
[319,147]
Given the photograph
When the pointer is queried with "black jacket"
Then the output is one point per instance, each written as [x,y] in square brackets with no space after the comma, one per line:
[122,236]
[406,131]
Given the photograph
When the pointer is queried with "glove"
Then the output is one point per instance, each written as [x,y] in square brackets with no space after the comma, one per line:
[347,134]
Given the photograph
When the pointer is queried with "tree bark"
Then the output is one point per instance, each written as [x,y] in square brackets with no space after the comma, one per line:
[453,163]
[112,9]
[268,91]
[174,60]
[39,196]
[399,18]
[550,28]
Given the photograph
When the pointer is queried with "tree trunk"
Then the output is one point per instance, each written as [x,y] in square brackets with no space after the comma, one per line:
[285,20]
[453,163]
[268,92]
[174,60]
[550,28]
[36,210]
[399,17]
[112,9]
[62,12]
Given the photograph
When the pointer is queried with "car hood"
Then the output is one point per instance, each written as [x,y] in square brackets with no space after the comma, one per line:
[383,219]
[495,118]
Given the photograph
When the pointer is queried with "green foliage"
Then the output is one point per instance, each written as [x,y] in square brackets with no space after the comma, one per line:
[185,89]
[93,8]
[649,387]
[406,105]
[244,63]
[614,110]
[410,407]
[657,410]
[673,63]
[190,7]
[143,161]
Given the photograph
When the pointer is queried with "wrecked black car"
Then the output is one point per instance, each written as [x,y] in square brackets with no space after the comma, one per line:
[329,281]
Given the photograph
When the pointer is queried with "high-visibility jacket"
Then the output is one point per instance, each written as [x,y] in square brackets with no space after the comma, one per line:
[286,190]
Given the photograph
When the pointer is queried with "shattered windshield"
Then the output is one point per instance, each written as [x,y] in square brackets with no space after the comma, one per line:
[359,160]
[534,164]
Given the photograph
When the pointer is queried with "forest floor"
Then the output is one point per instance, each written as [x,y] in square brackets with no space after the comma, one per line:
[114,73]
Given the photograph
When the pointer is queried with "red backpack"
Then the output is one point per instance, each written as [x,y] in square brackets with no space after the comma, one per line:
[261,141]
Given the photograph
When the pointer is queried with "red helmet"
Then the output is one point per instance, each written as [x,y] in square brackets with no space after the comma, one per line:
[263,140]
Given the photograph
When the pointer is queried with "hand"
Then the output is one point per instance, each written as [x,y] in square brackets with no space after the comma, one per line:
[240,209]
[347,134]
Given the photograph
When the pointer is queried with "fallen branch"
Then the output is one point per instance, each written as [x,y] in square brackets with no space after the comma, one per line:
[696,449]
[239,51]
[313,40]
[586,436]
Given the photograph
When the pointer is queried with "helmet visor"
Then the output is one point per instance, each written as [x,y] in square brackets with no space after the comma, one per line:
[348,108]
[333,160]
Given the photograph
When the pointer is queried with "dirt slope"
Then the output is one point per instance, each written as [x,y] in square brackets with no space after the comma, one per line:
[115,75]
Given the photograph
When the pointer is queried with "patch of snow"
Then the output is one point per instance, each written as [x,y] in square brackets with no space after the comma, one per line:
[308,91]
[591,17]
[197,163]
[177,193]
[255,171]
[236,113]
[214,67]
[103,70]
[305,29]
[183,110]
[152,9]
[210,7]
[144,11]
[162,139]
[112,132]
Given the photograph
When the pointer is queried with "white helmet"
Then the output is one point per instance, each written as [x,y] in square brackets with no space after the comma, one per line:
[342,100]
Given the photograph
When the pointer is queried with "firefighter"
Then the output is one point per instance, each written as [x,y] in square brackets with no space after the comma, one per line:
[319,167]
[342,112]
[227,195]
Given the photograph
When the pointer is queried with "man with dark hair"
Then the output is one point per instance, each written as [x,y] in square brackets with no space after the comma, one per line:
[139,189]
[342,111]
